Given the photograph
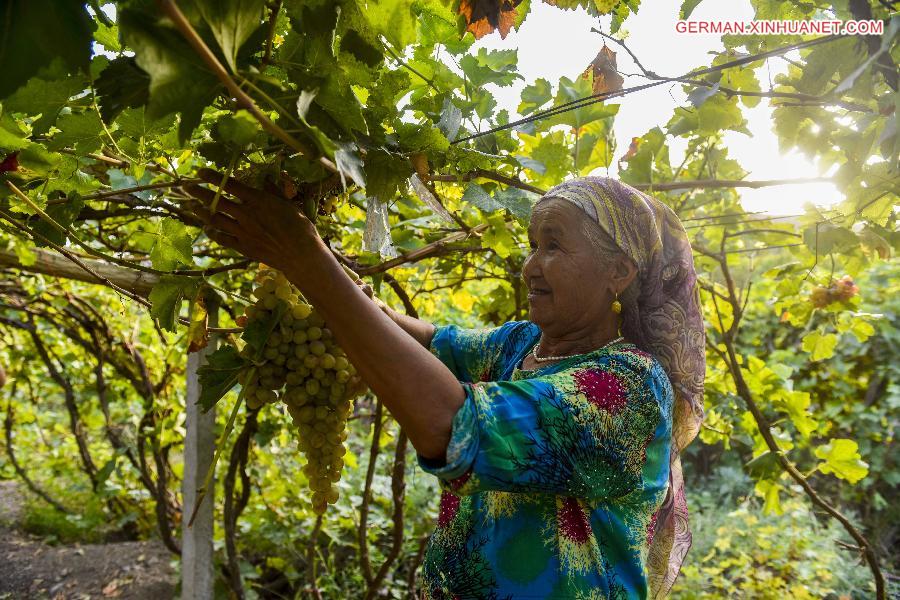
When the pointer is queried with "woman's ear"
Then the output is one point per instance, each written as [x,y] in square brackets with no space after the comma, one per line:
[624,272]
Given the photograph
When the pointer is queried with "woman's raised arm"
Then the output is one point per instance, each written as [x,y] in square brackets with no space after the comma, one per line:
[421,393]
[421,331]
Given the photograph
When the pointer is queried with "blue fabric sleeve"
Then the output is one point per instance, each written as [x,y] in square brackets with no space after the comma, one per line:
[470,354]
[593,432]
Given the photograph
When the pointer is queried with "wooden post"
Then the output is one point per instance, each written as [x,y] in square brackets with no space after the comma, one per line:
[197,574]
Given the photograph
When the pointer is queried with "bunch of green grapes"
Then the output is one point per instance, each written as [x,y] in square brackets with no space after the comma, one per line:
[302,366]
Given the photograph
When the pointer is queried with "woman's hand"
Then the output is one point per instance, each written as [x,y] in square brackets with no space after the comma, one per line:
[259,225]
[270,229]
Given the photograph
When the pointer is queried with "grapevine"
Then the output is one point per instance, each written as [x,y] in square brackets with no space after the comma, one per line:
[302,366]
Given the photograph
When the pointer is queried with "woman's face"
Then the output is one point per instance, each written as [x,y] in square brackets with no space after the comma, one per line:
[570,288]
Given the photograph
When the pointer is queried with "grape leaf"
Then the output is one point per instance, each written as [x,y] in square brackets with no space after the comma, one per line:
[135,123]
[232,23]
[385,174]
[239,129]
[438,26]
[81,131]
[12,137]
[825,238]
[108,37]
[179,80]
[842,459]
[494,66]
[486,16]
[359,47]
[477,195]
[421,138]
[173,246]
[594,148]
[687,7]
[497,237]
[44,97]
[765,466]
[347,160]
[219,375]
[451,119]
[552,151]
[593,7]
[820,346]
[718,113]
[651,155]
[37,32]
[394,20]
[336,100]
[166,296]
[257,331]
[122,84]
[535,96]
[516,201]
[570,91]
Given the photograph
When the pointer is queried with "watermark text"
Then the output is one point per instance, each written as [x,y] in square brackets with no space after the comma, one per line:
[782,27]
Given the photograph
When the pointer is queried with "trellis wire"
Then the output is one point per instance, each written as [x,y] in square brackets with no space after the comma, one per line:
[594,98]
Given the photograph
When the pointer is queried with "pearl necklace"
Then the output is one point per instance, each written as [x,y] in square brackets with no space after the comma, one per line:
[534,351]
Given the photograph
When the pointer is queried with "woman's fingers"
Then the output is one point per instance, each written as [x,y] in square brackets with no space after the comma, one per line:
[197,209]
[234,187]
[208,197]
[223,238]
[224,223]
[218,220]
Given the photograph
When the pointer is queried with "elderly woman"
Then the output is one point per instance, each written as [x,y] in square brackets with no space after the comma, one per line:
[556,440]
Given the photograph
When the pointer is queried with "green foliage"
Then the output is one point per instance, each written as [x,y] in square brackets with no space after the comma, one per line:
[166,297]
[232,23]
[105,145]
[68,37]
[738,552]
[219,375]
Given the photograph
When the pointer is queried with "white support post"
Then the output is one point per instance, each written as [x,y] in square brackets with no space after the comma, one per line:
[197,575]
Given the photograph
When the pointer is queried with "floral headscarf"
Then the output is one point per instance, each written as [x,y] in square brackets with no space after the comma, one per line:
[665,320]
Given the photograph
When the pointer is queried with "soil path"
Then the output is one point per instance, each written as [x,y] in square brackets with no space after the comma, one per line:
[32,569]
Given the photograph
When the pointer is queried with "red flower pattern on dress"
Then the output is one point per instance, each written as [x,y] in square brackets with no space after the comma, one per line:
[602,389]
[460,481]
[573,522]
[449,508]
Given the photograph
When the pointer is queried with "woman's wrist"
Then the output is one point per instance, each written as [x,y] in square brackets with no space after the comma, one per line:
[310,260]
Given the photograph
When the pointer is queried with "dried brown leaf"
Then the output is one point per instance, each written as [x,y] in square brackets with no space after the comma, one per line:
[198,334]
[603,70]
[632,149]
[486,16]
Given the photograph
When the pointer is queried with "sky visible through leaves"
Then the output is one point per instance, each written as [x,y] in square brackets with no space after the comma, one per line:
[553,43]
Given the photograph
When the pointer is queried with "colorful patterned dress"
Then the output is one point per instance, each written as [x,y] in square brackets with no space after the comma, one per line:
[553,476]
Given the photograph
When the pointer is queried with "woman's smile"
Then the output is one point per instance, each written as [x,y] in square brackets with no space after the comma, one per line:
[536,293]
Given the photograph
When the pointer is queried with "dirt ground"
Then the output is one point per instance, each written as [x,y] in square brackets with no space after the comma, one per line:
[32,569]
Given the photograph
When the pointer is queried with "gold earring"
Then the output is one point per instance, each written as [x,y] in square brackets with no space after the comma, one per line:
[616,305]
